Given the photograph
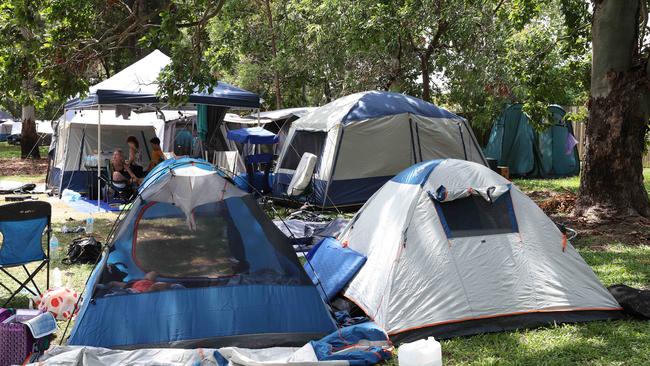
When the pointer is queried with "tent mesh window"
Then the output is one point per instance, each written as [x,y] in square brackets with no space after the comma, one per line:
[207,245]
[302,142]
[474,216]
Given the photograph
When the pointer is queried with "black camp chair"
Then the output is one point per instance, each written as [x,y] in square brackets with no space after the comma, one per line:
[22,225]
[111,189]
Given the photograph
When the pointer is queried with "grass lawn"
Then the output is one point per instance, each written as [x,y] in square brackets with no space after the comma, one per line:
[598,343]
[11,151]
[572,183]
[40,178]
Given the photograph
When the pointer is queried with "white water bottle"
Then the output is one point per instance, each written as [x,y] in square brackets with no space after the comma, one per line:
[54,247]
[425,352]
[57,279]
[90,221]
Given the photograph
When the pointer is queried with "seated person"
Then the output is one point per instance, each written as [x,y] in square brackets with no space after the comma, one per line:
[134,162]
[147,284]
[122,174]
[157,155]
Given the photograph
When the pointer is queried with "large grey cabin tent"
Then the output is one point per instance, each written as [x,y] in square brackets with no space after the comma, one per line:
[455,249]
[362,140]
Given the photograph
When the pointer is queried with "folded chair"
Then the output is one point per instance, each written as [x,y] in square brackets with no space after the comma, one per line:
[23,225]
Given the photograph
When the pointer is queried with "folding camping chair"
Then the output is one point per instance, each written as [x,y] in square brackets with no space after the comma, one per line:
[123,193]
[22,226]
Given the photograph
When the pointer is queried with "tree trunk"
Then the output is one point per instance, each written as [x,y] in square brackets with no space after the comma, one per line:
[426,82]
[612,178]
[327,91]
[29,138]
[274,50]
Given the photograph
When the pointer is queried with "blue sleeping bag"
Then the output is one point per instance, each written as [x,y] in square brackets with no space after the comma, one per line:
[331,266]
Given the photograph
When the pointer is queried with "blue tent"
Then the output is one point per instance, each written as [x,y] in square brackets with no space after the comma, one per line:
[253,135]
[138,84]
[196,263]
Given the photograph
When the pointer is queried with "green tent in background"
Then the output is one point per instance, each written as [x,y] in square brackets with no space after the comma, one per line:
[527,153]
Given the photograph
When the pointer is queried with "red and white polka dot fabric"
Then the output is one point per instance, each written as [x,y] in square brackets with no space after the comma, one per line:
[59,301]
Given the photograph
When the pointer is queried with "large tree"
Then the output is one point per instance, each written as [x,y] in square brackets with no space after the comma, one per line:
[612,179]
[51,50]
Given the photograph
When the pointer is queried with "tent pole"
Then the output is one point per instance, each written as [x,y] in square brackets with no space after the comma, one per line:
[257,148]
[65,151]
[99,155]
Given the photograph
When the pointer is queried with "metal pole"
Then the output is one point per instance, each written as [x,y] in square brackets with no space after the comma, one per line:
[65,150]
[99,156]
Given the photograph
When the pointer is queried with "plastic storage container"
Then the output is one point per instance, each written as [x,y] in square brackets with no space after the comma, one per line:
[425,352]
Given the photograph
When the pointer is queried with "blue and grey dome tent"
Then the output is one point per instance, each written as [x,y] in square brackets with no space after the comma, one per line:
[514,143]
[228,275]
[362,140]
[454,249]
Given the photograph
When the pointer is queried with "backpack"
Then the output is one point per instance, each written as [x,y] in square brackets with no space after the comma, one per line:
[83,250]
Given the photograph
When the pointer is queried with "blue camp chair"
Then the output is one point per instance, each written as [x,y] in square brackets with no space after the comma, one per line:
[22,226]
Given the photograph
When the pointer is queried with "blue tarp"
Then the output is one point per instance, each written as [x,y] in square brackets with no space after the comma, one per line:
[348,344]
[253,135]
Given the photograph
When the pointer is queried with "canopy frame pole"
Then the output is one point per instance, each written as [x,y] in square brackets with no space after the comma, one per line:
[99,156]
[65,151]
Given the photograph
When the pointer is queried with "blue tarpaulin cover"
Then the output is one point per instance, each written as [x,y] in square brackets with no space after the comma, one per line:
[253,135]
[331,267]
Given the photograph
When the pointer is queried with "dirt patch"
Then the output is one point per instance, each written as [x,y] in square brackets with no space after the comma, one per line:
[17,166]
[559,206]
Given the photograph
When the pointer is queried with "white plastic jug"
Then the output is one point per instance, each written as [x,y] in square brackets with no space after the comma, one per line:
[425,352]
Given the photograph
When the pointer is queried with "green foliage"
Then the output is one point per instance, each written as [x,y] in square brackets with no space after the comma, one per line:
[35,60]
[481,55]
[183,32]
[51,50]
